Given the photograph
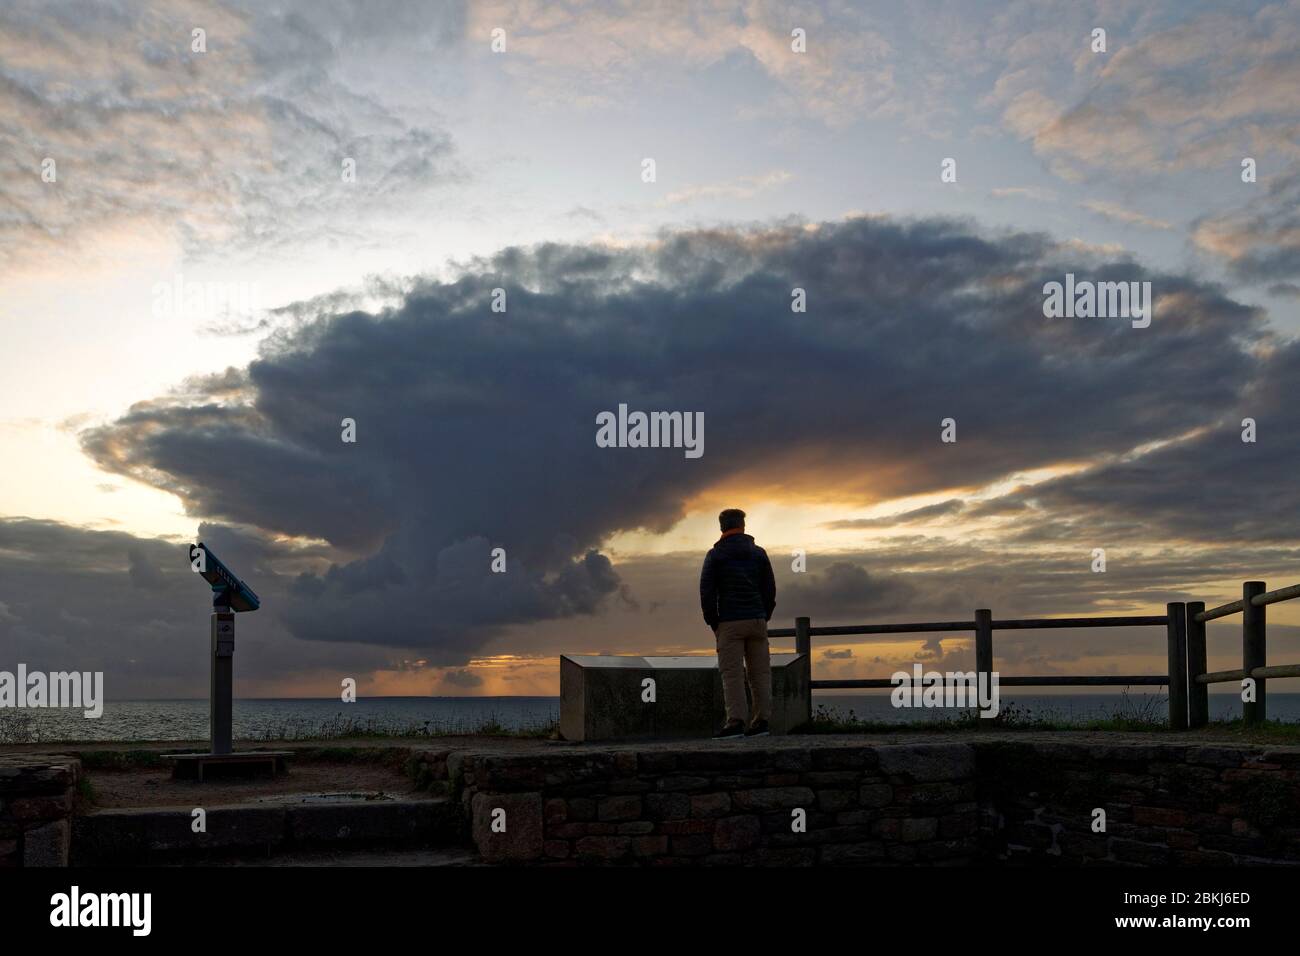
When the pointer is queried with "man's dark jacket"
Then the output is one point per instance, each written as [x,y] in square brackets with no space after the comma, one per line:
[736,583]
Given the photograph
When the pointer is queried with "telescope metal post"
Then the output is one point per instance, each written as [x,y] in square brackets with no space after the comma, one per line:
[220,695]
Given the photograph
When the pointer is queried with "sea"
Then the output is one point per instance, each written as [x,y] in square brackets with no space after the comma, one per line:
[299,718]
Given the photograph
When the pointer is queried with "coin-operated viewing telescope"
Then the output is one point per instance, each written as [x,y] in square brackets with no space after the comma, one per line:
[227,589]
[229,596]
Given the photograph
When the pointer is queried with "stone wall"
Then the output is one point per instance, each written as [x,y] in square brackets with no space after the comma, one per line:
[37,794]
[1018,799]
[725,805]
[993,800]
[1164,804]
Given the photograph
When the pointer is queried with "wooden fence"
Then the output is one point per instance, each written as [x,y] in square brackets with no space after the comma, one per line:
[1254,657]
[1184,626]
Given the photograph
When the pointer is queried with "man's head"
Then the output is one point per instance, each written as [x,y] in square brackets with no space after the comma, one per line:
[732,519]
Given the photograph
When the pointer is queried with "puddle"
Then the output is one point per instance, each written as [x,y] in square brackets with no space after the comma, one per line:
[338,797]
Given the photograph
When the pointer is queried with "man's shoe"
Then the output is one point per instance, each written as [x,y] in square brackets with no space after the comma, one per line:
[734,729]
[758,729]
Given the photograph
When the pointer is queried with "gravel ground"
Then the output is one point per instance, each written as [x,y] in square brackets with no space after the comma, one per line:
[149,787]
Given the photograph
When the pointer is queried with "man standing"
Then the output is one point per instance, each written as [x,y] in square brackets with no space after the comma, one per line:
[737,595]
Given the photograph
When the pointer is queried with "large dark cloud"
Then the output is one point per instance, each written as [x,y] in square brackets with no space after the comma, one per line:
[1208,487]
[477,429]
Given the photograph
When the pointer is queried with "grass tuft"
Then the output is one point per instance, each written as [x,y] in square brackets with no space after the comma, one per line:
[344,726]
[1144,714]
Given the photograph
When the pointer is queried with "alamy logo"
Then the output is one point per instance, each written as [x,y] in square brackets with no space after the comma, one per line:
[953,689]
[192,298]
[56,689]
[1101,300]
[651,430]
[103,909]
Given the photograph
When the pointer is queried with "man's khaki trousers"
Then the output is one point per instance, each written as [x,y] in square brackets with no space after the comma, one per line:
[742,646]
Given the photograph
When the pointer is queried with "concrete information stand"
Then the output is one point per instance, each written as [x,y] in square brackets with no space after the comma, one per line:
[602,698]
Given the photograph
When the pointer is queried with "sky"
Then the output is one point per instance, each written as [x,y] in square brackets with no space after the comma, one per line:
[225,228]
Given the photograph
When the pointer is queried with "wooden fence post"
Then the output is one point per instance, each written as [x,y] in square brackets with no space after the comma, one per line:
[803,645]
[1176,628]
[1253,651]
[1198,694]
[984,644]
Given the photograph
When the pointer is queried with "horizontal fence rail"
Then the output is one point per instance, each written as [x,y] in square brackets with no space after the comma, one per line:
[1258,600]
[1259,673]
[1046,622]
[1187,678]
[874,628]
[1174,620]
[1223,610]
[1055,681]
[1026,624]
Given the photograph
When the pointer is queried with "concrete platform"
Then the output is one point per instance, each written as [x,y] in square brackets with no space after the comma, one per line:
[603,697]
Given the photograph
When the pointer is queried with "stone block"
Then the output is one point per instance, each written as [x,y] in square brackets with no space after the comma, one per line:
[736,833]
[927,763]
[849,854]
[710,805]
[835,800]
[556,811]
[601,696]
[522,837]
[47,845]
[784,856]
[876,795]
[619,808]
[772,798]
[686,827]
[582,809]
[31,810]
[602,848]
[646,846]
[695,844]
[667,806]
